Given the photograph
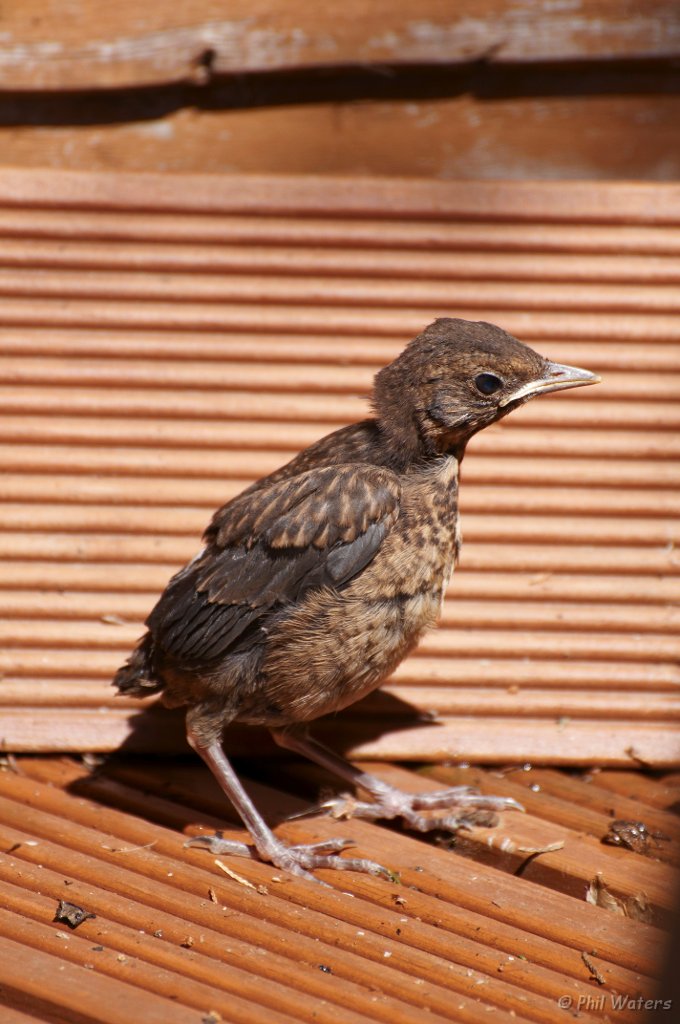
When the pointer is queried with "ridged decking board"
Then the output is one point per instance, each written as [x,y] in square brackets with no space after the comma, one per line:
[487,931]
[164,341]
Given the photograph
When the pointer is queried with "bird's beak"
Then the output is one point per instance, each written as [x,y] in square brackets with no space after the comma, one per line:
[555,377]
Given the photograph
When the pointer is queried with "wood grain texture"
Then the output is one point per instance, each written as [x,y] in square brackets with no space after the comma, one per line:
[128,46]
[484,904]
[563,135]
[483,928]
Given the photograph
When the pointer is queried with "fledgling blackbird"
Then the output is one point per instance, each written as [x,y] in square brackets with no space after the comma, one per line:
[316,581]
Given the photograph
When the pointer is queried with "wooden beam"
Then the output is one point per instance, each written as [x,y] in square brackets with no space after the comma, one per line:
[124,46]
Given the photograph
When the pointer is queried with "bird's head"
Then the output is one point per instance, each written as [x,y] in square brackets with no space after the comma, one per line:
[458,377]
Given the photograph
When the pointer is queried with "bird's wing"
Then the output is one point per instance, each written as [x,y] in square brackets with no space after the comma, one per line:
[267,547]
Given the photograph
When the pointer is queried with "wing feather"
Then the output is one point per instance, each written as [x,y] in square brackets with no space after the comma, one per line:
[266,548]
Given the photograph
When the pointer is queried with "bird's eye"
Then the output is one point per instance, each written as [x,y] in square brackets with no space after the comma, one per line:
[488,383]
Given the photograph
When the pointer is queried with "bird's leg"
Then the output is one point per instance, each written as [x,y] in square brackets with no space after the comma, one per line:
[464,805]
[299,860]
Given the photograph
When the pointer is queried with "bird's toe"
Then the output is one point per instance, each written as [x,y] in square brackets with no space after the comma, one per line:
[218,844]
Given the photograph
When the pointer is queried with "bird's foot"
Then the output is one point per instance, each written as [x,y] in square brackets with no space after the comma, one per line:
[464,807]
[218,844]
[298,860]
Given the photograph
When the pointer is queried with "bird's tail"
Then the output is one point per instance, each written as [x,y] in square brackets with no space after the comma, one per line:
[137,677]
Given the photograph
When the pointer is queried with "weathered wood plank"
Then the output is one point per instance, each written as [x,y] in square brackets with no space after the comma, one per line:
[612,132]
[128,45]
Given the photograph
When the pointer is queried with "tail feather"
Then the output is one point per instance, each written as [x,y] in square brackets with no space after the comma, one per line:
[137,678]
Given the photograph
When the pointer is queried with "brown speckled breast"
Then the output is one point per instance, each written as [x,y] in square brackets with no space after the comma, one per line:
[345,644]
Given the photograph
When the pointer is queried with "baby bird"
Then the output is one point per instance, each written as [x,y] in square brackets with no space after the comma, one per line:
[317,580]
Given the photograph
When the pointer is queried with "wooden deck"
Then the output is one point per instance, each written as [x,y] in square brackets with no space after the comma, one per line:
[488,927]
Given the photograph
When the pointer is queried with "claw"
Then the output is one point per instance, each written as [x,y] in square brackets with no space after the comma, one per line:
[300,859]
[467,804]
[325,846]
[217,844]
[309,812]
[513,805]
